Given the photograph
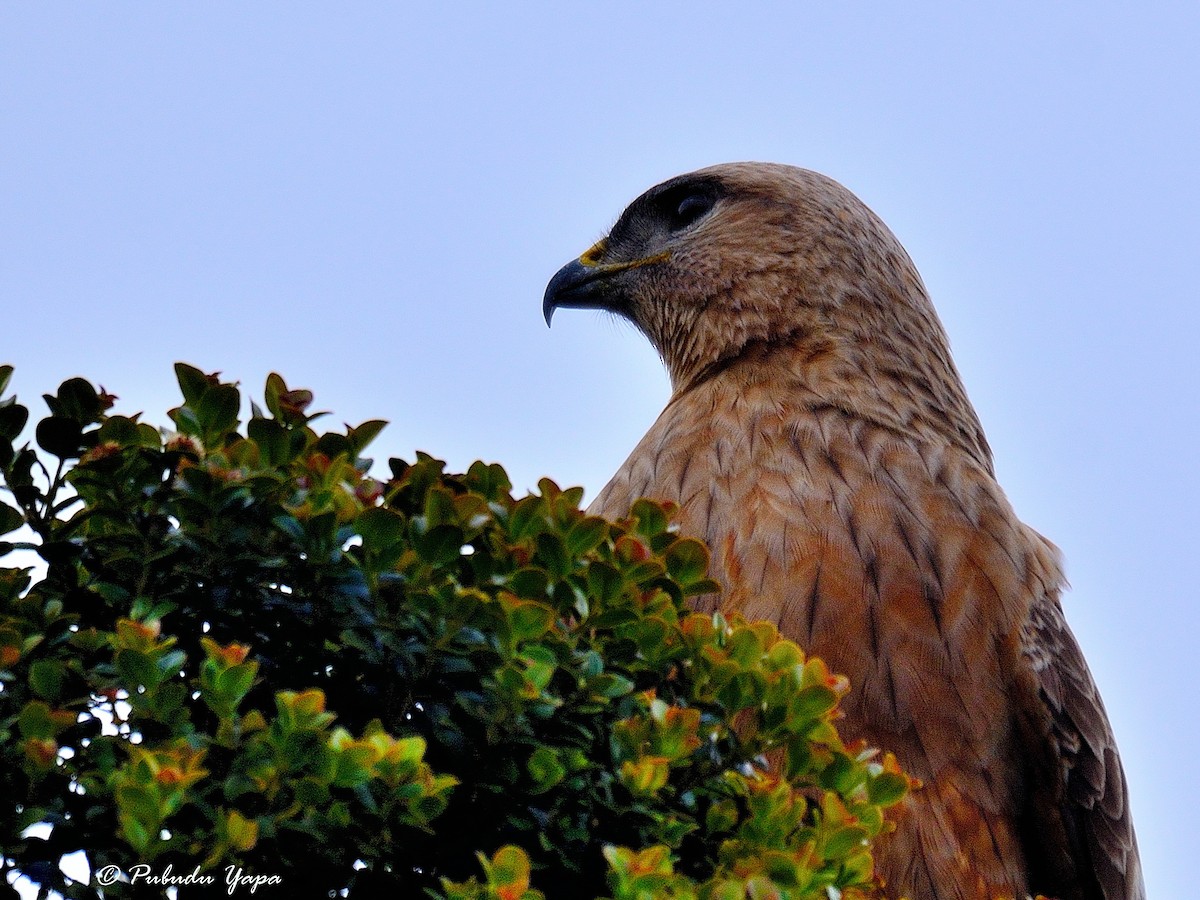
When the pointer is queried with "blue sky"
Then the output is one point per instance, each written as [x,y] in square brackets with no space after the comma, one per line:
[369,199]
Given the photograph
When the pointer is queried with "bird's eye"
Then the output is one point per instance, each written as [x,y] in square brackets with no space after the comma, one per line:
[690,208]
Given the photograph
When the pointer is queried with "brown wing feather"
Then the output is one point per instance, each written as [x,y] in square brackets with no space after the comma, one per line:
[1079,819]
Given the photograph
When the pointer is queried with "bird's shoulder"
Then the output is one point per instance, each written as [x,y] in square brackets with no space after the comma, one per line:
[797,495]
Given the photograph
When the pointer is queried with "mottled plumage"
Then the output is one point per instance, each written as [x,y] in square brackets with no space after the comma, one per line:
[818,437]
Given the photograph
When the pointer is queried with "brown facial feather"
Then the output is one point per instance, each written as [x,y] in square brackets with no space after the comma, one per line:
[820,440]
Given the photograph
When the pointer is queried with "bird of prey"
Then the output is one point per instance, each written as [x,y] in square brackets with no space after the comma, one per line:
[819,439]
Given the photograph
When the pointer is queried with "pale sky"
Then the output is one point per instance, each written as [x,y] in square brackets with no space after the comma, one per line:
[369,199]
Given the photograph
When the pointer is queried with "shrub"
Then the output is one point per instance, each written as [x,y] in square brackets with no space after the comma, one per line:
[247,654]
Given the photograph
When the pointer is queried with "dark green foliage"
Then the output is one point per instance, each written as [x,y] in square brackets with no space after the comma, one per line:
[247,651]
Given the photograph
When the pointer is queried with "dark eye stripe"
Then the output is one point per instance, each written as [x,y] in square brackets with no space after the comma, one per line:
[670,207]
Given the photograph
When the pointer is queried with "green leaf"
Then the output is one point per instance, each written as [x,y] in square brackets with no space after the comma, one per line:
[546,769]
[276,387]
[169,664]
[10,519]
[721,817]
[362,435]
[604,582]
[192,383]
[610,686]
[525,517]
[333,444]
[217,411]
[37,720]
[46,677]
[845,839]
[703,586]
[651,519]
[60,436]
[586,535]
[540,664]
[440,545]
[508,872]
[13,417]
[272,439]
[139,807]
[136,668]
[553,554]
[745,647]
[489,480]
[5,375]
[887,788]
[439,508]
[687,561]
[742,691]
[186,421]
[120,430]
[311,792]
[380,527]
[811,702]
[531,583]
[529,619]
[234,683]
[77,399]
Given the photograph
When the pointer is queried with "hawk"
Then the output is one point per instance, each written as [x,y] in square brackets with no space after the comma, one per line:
[819,439]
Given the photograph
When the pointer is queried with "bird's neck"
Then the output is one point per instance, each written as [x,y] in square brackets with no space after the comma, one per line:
[865,379]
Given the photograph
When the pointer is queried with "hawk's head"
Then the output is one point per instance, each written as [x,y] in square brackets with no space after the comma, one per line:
[783,269]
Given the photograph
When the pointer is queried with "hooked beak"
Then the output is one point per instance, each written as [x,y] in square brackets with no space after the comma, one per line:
[586,283]
[578,286]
